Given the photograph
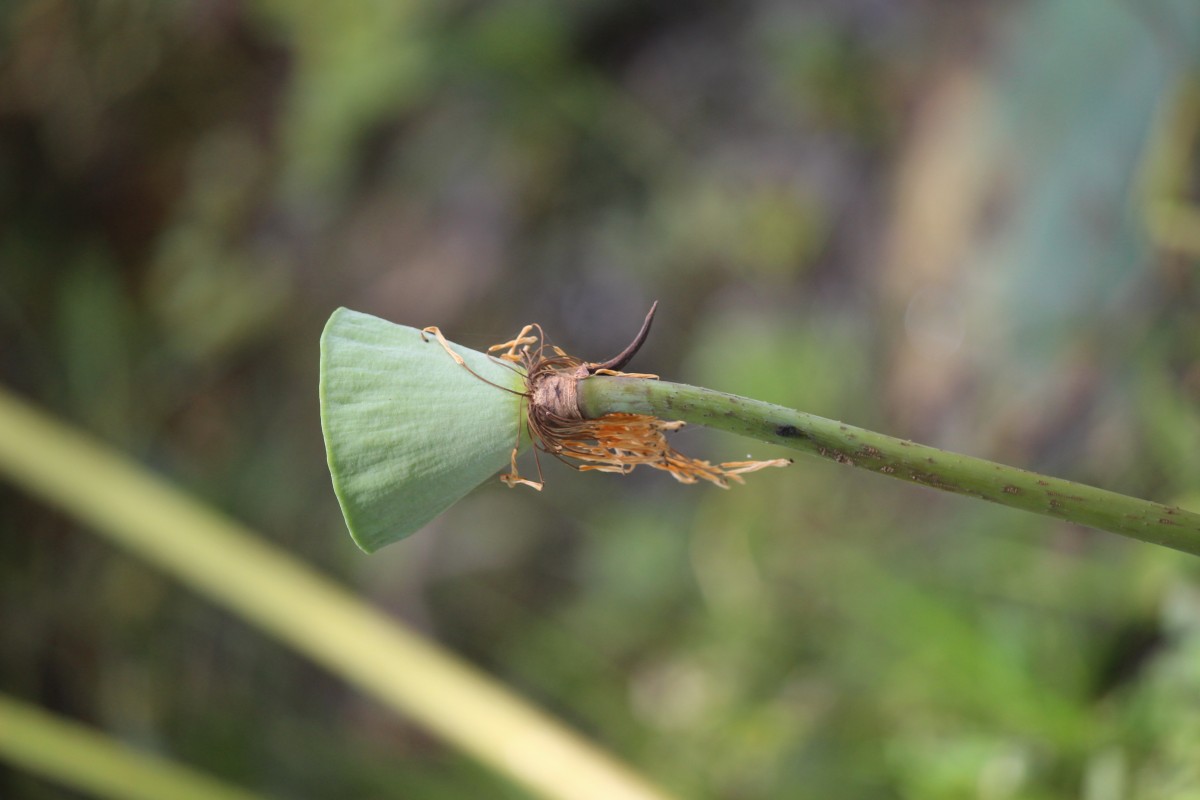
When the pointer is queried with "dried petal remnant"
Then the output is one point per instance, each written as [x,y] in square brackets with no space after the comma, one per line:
[612,443]
[620,442]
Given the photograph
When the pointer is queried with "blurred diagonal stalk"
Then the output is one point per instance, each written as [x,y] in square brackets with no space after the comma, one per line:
[237,569]
[1172,219]
[72,754]
[928,466]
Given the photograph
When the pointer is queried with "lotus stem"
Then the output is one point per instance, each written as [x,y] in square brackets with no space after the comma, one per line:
[1169,526]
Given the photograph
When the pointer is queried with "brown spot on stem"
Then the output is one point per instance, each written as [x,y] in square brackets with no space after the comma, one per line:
[928,479]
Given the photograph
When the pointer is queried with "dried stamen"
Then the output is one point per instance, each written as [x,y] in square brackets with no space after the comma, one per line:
[612,443]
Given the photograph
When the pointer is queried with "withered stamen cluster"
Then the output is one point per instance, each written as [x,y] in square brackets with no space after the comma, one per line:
[615,442]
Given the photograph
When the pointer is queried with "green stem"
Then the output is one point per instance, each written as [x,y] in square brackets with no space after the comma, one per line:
[85,759]
[928,466]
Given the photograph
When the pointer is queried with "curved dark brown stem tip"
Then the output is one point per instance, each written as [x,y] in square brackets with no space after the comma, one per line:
[625,356]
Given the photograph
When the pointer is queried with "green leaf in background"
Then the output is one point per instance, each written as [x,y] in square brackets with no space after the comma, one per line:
[407,430]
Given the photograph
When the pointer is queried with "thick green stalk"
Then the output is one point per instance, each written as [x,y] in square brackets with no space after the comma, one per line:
[86,759]
[856,447]
[240,570]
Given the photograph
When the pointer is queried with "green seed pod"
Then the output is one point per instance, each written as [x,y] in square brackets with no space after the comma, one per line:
[408,431]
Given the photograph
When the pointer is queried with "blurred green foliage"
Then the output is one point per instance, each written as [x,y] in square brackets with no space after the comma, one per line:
[916,218]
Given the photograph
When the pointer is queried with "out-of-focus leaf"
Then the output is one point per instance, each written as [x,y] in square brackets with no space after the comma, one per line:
[1078,89]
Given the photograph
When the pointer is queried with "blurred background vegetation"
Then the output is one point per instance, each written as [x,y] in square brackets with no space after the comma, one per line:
[971,224]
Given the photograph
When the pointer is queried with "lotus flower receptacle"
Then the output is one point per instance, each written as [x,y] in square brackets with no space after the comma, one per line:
[408,431]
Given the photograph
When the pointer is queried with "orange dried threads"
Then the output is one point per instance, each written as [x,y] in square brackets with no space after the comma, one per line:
[616,442]
[619,442]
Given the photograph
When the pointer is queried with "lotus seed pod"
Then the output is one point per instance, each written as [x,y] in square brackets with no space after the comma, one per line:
[408,431]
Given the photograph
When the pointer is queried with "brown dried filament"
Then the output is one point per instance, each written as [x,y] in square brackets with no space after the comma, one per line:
[615,442]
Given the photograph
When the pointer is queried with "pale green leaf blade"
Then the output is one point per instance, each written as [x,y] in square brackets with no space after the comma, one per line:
[407,430]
